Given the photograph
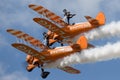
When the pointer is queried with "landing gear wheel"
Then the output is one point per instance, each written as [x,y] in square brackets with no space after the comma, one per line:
[45,74]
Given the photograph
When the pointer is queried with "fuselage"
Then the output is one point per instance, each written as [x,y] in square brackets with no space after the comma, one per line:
[76,29]
[51,55]
[72,31]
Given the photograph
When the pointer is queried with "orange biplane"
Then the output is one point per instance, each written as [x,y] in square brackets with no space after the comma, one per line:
[46,55]
[60,31]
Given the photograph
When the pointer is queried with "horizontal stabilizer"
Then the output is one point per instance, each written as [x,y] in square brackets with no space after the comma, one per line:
[90,45]
[70,70]
[98,21]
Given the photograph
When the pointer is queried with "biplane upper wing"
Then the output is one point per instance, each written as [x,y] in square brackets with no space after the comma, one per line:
[30,51]
[50,15]
[26,37]
[52,27]
[70,70]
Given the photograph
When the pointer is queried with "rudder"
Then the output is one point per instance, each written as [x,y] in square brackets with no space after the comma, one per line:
[101,18]
[82,41]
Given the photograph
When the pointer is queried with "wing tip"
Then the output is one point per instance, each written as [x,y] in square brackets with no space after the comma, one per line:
[15,44]
[8,30]
[35,19]
[31,5]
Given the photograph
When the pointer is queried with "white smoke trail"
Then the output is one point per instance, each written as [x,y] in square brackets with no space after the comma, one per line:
[112,29]
[107,52]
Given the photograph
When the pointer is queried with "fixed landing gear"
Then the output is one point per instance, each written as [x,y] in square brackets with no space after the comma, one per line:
[44,74]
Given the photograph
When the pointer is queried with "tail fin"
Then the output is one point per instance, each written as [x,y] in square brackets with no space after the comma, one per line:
[82,41]
[99,21]
[101,18]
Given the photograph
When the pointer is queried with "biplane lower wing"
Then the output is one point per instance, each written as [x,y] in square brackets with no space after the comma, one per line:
[26,37]
[52,27]
[30,51]
[70,70]
[50,15]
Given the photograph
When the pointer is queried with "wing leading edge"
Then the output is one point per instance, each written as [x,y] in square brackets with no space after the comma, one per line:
[30,51]
[50,15]
[26,37]
[52,27]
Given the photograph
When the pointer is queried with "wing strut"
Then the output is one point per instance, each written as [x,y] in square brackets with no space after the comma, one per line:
[28,38]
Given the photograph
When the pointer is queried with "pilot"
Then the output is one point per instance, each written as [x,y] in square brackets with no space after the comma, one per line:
[51,38]
[46,38]
[32,62]
[68,15]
